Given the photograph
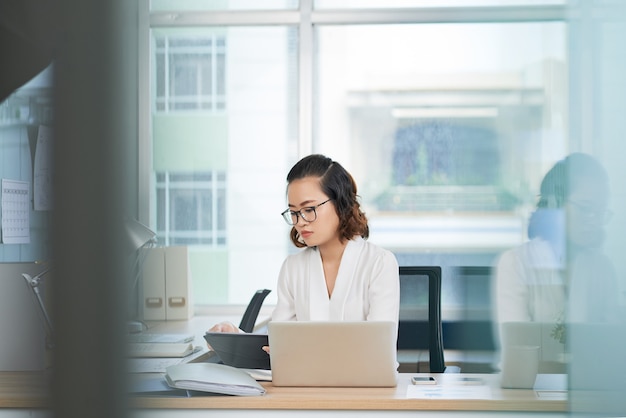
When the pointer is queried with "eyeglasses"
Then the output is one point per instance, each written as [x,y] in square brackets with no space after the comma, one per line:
[602,215]
[307,214]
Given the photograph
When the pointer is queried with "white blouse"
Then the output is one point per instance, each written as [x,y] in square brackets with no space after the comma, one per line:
[532,285]
[367,286]
[529,284]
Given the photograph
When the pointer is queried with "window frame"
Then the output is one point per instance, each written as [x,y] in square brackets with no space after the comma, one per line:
[306,18]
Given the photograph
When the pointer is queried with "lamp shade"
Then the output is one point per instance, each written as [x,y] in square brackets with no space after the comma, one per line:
[137,235]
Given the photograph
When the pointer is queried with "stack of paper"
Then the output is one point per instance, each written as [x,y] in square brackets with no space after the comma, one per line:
[160,364]
[214,378]
[160,349]
[160,338]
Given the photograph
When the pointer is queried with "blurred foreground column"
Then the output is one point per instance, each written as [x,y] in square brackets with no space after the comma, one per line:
[95,118]
[597,108]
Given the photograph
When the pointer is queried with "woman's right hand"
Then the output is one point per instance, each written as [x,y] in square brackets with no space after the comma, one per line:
[224,327]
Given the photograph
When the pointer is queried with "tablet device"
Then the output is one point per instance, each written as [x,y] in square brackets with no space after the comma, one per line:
[240,349]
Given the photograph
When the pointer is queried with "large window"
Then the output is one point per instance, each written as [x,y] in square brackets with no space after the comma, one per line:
[448,121]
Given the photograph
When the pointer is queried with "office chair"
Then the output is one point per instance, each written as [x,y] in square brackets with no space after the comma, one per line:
[252,311]
[412,288]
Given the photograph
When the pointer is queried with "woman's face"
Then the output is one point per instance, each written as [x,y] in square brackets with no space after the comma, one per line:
[587,213]
[306,193]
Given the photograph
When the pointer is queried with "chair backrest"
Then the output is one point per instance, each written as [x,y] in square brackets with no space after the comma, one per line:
[420,287]
[252,311]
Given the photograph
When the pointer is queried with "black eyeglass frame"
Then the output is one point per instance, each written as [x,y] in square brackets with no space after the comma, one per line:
[603,215]
[289,215]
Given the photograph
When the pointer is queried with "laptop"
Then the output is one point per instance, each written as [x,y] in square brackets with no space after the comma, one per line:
[333,354]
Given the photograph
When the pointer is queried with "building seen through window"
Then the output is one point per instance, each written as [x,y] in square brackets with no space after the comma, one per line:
[190,73]
[191,208]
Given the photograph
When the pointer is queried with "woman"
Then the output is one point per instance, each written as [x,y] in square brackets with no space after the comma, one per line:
[338,276]
[533,282]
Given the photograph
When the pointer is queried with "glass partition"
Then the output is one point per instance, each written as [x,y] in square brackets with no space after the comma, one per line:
[456,124]
[595,331]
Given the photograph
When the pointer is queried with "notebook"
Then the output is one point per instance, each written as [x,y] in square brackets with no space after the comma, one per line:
[333,354]
[240,349]
[215,378]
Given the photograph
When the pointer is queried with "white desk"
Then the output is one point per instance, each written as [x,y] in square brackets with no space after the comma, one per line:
[25,393]
[363,401]
[308,402]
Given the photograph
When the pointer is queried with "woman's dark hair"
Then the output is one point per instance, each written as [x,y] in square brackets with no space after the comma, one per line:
[340,187]
[565,175]
[557,186]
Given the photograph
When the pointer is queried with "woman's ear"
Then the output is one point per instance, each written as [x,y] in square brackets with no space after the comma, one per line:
[546,202]
[551,202]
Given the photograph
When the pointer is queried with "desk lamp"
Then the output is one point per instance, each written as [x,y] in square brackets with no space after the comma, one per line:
[34,283]
[138,238]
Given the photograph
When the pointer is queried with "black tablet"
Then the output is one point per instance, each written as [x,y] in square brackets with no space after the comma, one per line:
[240,350]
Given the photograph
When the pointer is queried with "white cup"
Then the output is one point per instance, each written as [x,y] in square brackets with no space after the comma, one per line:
[520,364]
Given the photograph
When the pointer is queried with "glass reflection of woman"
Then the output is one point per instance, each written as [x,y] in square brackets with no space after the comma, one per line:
[563,261]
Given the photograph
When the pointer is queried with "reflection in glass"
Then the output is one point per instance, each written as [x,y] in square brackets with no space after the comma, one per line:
[561,275]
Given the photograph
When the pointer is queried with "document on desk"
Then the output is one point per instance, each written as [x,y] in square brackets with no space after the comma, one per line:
[160,349]
[259,375]
[158,365]
[160,338]
[213,378]
[448,392]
